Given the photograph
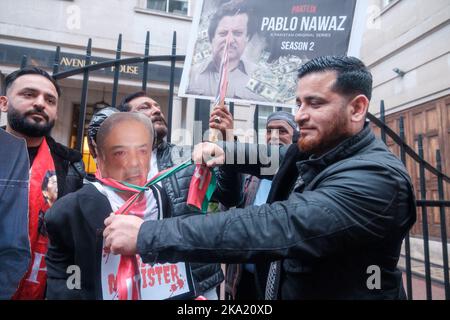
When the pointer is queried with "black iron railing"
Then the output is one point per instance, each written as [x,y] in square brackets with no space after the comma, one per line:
[423,203]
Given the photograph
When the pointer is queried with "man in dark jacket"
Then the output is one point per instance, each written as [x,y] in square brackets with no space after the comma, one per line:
[14,245]
[166,155]
[74,223]
[339,208]
[31,104]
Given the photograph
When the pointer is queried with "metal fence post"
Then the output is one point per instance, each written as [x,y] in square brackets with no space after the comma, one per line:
[443,223]
[116,72]
[172,84]
[145,70]
[426,249]
[84,92]
[409,291]
[383,119]
[56,60]
[255,124]
[23,62]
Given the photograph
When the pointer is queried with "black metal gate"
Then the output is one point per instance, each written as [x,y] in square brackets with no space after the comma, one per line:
[399,139]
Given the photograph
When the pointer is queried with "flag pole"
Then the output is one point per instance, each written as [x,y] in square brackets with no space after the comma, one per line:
[222,88]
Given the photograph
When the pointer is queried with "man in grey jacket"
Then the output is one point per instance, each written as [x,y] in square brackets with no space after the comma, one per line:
[339,208]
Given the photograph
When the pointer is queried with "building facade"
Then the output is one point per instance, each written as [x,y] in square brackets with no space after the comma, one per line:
[407,48]
[408,52]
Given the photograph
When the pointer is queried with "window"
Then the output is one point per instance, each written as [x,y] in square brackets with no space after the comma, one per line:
[387,3]
[263,113]
[169,6]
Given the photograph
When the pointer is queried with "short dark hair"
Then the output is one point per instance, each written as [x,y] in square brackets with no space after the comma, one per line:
[9,80]
[125,106]
[353,77]
[97,119]
[230,9]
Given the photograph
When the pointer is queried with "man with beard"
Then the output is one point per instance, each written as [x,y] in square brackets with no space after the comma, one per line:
[31,104]
[166,155]
[338,210]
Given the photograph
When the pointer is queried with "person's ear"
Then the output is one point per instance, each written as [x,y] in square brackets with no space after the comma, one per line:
[359,107]
[4,103]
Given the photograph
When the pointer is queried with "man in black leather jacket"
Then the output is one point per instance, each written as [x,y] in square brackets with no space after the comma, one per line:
[166,155]
[339,208]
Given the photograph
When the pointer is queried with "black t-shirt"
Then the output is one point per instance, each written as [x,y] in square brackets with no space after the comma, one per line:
[32,152]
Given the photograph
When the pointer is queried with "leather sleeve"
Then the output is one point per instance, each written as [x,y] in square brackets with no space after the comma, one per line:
[258,160]
[354,206]
[229,190]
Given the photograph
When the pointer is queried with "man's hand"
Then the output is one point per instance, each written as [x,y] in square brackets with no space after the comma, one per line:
[222,120]
[208,153]
[121,233]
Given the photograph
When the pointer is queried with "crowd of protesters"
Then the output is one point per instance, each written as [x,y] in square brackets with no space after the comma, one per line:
[338,203]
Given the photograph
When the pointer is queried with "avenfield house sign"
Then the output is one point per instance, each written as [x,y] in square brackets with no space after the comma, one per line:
[12,55]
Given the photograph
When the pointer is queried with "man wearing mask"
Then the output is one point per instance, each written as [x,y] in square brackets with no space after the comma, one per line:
[74,224]
[166,155]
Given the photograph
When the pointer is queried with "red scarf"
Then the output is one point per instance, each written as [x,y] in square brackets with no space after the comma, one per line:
[32,285]
[128,283]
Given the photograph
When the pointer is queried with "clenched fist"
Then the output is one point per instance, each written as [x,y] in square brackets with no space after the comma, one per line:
[121,233]
[208,153]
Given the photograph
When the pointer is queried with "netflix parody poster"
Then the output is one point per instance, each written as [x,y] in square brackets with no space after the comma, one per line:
[269,41]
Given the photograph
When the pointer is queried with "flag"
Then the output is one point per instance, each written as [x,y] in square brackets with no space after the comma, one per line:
[223,80]
[201,188]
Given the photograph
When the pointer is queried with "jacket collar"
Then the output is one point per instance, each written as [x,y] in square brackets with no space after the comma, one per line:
[347,147]
[65,153]
[286,176]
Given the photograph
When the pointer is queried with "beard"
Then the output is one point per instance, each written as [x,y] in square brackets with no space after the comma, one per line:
[160,127]
[319,142]
[20,123]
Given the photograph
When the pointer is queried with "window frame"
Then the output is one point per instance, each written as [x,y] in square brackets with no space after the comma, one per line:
[387,4]
[144,4]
